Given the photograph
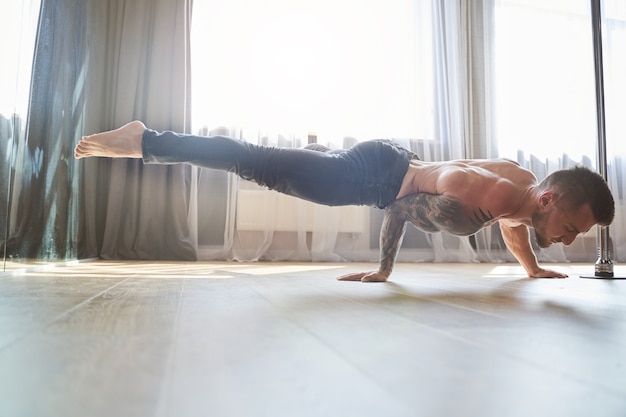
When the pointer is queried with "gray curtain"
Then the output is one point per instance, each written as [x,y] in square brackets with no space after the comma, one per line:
[138,68]
[99,64]
[42,205]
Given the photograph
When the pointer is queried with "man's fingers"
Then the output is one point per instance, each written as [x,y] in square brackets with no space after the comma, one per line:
[352,277]
[547,273]
[374,277]
[364,277]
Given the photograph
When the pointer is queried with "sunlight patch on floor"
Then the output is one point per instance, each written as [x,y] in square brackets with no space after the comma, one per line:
[173,269]
[280,268]
[573,269]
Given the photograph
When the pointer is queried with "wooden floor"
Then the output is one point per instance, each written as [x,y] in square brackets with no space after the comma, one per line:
[275,339]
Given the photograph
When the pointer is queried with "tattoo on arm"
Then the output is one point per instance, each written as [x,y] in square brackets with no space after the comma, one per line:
[391,234]
[430,213]
[480,218]
[434,213]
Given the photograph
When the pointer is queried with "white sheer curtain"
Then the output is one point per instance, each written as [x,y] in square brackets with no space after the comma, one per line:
[614,19]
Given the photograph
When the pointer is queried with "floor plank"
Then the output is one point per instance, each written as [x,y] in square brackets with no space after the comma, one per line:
[284,339]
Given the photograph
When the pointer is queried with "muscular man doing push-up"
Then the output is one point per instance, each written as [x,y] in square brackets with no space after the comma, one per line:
[459,197]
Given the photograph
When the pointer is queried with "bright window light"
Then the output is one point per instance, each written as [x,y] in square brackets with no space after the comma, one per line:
[18,21]
[337,68]
[544,85]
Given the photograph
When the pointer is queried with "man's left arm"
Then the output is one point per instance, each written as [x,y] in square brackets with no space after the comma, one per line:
[517,239]
[391,234]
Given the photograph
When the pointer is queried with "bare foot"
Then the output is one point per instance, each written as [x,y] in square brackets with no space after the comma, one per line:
[124,142]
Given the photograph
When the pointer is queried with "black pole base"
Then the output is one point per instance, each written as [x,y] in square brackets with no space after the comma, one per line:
[604,275]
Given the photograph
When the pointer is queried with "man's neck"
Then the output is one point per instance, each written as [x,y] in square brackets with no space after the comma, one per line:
[525,212]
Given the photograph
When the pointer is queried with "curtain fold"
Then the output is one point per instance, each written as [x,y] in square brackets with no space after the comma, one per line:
[138,69]
[461,62]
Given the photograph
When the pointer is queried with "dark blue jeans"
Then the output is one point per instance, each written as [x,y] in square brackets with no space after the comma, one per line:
[368,174]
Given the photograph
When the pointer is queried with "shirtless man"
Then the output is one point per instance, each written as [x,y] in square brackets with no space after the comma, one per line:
[459,197]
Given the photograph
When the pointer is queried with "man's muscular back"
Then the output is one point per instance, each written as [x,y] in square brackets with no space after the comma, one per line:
[482,190]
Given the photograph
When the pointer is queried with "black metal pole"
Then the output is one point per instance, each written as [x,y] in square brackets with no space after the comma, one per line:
[603,265]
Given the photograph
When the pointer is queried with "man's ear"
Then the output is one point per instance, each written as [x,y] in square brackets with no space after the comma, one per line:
[546,199]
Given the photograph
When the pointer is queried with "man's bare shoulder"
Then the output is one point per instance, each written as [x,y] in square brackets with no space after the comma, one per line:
[497,185]
[483,173]
[507,160]
[465,178]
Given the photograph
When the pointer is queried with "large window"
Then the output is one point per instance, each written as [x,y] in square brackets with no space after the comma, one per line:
[349,68]
[544,84]
[18,25]
[18,20]
[615,74]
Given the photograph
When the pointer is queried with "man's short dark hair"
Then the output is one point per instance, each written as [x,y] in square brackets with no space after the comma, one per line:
[578,186]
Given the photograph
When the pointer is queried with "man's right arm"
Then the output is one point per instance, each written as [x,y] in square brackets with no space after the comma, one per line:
[517,239]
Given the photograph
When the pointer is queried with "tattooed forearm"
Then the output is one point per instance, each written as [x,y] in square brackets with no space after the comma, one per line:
[391,234]
[433,213]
